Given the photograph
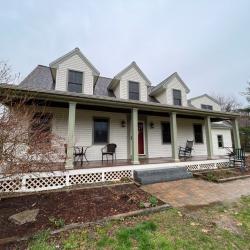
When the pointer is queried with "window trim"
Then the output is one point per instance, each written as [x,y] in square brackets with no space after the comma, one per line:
[201,132]
[67,83]
[93,130]
[139,90]
[178,99]
[221,141]
[165,143]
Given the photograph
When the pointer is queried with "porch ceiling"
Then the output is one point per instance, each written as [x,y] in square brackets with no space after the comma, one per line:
[62,98]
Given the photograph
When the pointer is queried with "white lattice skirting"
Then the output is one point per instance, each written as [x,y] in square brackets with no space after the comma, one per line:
[59,179]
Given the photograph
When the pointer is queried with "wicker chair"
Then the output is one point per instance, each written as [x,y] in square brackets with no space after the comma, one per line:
[109,149]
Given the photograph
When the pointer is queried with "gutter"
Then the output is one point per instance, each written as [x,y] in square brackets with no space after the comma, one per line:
[65,97]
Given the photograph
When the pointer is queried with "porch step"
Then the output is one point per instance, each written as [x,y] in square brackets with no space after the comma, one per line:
[150,176]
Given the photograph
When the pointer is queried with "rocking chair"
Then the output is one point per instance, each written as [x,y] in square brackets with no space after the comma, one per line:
[186,151]
[238,158]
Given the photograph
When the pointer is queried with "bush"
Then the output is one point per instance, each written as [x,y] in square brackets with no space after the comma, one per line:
[153,201]
[58,223]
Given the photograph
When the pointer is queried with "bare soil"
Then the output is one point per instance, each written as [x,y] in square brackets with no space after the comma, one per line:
[85,205]
[222,174]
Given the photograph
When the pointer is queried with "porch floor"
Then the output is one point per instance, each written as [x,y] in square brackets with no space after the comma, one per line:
[116,163]
[143,161]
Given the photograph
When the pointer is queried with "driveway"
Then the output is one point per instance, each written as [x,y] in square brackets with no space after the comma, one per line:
[195,192]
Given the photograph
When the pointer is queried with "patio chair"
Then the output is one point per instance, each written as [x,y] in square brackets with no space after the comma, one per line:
[238,158]
[109,149]
[79,153]
[186,151]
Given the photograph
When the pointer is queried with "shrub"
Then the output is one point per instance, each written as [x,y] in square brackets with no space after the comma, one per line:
[153,201]
[58,223]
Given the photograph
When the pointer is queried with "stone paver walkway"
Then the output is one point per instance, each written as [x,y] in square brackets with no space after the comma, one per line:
[195,192]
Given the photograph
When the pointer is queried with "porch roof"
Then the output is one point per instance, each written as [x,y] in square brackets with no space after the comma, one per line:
[16,91]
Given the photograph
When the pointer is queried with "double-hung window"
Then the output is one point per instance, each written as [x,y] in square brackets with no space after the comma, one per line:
[220,141]
[177,97]
[166,134]
[134,91]
[207,107]
[101,131]
[198,134]
[75,81]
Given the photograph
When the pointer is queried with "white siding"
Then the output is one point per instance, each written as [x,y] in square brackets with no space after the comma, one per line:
[207,101]
[117,91]
[184,132]
[74,63]
[162,97]
[155,146]
[83,130]
[176,84]
[133,75]
[227,139]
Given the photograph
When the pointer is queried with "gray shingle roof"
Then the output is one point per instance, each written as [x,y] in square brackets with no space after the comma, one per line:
[101,87]
[39,78]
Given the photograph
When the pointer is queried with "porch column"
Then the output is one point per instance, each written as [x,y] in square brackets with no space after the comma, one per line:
[173,129]
[71,136]
[209,137]
[134,128]
[236,134]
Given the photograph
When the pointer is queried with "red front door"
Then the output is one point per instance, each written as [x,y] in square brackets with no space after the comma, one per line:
[140,138]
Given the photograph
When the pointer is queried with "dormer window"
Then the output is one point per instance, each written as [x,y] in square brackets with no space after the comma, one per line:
[75,81]
[207,107]
[177,97]
[134,93]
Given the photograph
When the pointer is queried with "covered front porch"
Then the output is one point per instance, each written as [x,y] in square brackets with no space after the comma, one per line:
[126,133]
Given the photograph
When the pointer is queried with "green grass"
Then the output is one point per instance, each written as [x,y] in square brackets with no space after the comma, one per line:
[171,229]
[40,242]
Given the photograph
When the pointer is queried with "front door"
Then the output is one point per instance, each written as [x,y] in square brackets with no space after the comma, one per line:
[141,138]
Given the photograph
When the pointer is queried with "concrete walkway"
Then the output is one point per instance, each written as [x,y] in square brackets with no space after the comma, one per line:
[195,192]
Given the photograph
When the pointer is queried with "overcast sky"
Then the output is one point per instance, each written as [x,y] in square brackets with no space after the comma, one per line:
[206,42]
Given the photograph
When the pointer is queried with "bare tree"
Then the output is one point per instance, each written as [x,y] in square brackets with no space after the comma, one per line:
[227,103]
[26,141]
[247,92]
[6,74]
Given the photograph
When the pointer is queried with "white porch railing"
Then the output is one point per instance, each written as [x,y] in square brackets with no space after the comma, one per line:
[40,181]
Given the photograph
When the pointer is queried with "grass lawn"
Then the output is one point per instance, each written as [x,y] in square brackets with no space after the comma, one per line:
[213,227]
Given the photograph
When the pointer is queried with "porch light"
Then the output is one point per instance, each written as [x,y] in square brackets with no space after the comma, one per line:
[151,125]
[123,123]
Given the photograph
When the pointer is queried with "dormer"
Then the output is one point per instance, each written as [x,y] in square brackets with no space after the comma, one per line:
[171,91]
[131,83]
[205,102]
[74,73]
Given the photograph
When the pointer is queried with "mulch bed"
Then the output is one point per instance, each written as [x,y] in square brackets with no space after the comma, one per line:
[83,205]
[223,174]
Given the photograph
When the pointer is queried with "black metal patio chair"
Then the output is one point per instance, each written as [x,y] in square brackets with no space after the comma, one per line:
[186,151]
[79,153]
[109,149]
[238,158]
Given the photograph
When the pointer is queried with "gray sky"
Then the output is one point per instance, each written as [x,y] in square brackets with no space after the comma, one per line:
[206,42]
